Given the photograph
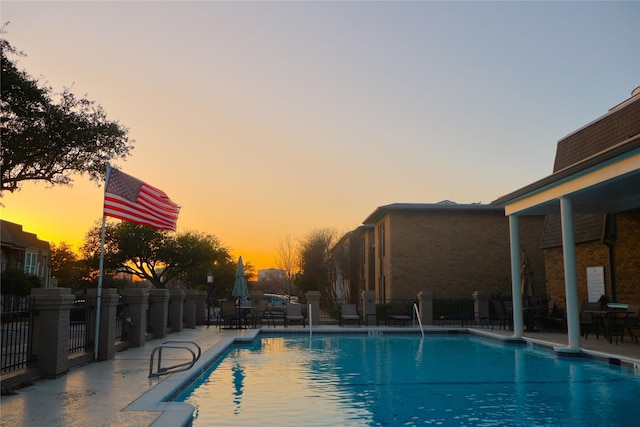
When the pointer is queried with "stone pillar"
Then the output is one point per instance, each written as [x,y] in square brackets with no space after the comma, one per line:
[190,298]
[369,307]
[201,308]
[137,304]
[313,299]
[481,304]
[51,330]
[176,310]
[107,328]
[425,305]
[159,312]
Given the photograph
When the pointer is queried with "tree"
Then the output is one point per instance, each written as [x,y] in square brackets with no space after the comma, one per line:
[67,268]
[45,140]
[161,257]
[287,260]
[317,271]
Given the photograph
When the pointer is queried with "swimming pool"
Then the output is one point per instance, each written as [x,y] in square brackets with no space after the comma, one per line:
[385,380]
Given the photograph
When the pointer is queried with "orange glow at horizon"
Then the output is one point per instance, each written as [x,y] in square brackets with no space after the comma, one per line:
[52,214]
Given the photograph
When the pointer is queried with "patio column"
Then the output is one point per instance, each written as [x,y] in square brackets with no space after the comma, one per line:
[570,281]
[516,291]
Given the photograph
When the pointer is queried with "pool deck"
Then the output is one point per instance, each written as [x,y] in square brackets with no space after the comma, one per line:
[97,394]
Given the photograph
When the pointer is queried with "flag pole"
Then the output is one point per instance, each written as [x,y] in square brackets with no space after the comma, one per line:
[99,299]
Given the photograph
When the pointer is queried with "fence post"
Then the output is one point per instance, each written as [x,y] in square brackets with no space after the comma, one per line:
[425,300]
[51,325]
[201,308]
[109,298]
[190,298]
[159,312]
[137,305]
[176,310]
[313,298]
[369,306]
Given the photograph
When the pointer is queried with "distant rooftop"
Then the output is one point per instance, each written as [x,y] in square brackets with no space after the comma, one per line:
[444,205]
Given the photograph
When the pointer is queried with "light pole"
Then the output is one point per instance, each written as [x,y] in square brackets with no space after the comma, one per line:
[209,296]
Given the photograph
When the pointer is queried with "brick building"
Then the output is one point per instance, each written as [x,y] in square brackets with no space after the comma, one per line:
[24,251]
[449,249]
[592,208]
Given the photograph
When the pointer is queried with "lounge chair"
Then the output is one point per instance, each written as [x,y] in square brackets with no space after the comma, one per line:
[293,313]
[349,313]
[399,313]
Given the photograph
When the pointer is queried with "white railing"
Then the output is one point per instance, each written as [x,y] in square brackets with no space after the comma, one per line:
[415,308]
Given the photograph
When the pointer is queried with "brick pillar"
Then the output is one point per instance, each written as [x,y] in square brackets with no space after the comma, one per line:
[51,330]
[176,310]
[201,307]
[190,298]
[137,306]
[481,304]
[159,312]
[425,305]
[369,307]
[107,334]
[313,298]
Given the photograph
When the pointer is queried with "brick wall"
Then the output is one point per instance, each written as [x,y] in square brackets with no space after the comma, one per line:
[596,253]
[454,254]
[627,257]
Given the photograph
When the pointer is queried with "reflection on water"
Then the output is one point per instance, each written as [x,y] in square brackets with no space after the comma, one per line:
[238,380]
[406,380]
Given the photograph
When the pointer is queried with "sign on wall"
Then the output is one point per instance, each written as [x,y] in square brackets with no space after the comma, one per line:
[595,283]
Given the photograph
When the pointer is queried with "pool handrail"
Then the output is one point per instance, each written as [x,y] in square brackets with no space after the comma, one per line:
[415,307]
[184,366]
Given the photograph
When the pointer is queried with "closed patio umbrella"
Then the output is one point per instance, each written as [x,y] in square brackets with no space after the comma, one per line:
[240,289]
[526,278]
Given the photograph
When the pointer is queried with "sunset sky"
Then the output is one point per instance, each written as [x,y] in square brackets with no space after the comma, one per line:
[271,119]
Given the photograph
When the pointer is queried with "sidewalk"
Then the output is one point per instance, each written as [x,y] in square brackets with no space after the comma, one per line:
[96,394]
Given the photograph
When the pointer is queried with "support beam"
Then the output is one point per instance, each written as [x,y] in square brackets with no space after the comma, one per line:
[570,280]
[516,290]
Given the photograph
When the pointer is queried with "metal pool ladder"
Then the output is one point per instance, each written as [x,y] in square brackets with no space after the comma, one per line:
[184,366]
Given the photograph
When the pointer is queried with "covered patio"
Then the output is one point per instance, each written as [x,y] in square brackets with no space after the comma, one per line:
[597,171]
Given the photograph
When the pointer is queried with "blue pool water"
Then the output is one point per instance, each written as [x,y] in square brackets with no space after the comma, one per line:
[391,380]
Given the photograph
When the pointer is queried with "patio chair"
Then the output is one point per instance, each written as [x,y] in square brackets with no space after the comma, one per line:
[592,319]
[554,318]
[293,313]
[501,314]
[229,315]
[257,313]
[633,321]
[349,313]
[399,313]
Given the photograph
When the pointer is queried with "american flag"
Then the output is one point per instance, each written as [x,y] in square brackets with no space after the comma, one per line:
[133,200]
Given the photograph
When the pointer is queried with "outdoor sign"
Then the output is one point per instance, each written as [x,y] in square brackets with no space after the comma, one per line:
[595,283]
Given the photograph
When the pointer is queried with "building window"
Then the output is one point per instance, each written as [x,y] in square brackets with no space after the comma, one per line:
[30,263]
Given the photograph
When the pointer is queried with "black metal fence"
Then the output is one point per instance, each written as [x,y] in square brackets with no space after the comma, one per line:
[16,335]
[453,310]
[80,325]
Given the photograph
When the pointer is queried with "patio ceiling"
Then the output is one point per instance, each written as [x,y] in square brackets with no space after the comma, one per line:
[606,183]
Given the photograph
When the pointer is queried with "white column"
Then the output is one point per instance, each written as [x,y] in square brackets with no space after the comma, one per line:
[516,291]
[570,281]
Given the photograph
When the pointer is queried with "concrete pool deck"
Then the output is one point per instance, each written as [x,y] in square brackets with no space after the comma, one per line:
[97,394]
